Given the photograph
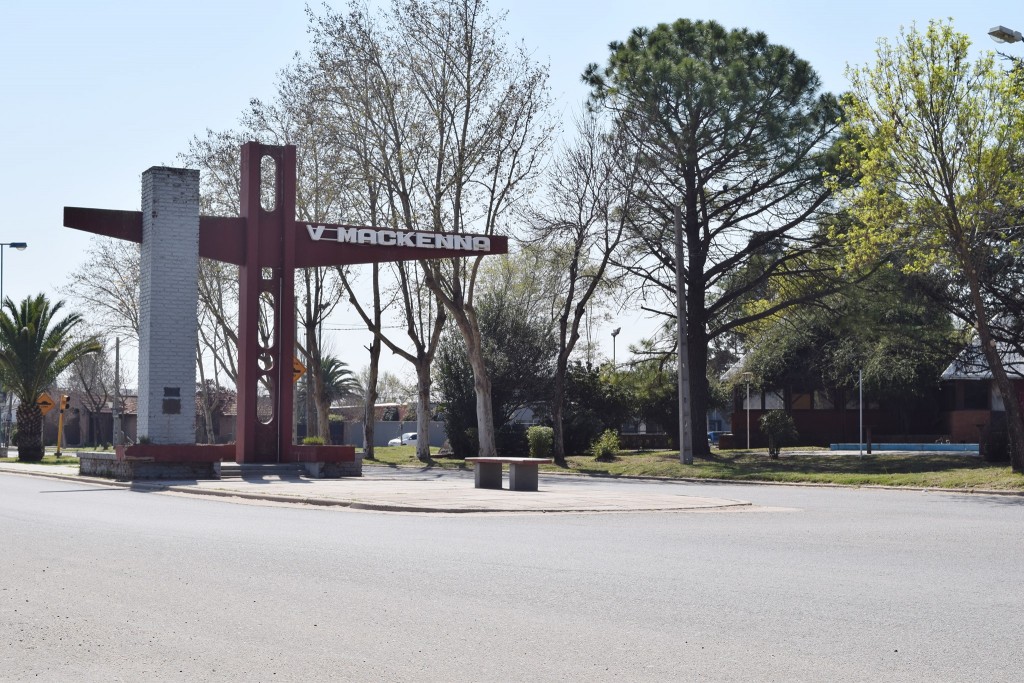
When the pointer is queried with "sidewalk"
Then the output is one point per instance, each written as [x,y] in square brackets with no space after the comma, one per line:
[414,490]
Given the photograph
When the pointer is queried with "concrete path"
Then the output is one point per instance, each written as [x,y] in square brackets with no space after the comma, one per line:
[413,490]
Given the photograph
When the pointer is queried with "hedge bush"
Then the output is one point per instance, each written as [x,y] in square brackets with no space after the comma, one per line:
[606,446]
[540,439]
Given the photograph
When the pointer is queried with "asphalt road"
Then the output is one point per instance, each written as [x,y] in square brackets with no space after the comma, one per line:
[103,584]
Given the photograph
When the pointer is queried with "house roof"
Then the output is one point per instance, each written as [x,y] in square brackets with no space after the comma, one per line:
[971,364]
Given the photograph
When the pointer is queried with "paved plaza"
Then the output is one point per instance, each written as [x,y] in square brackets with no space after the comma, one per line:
[415,490]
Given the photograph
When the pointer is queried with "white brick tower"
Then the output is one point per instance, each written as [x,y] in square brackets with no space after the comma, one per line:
[168,293]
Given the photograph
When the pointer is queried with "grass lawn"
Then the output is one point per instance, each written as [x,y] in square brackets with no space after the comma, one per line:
[948,470]
[48,459]
[405,456]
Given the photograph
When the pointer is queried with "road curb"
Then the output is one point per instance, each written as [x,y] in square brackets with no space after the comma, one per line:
[752,482]
[157,487]
[386,507]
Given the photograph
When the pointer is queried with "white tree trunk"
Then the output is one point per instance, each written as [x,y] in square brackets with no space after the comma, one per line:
[423,412]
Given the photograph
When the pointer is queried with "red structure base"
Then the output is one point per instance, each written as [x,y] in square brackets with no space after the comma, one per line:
[321,454]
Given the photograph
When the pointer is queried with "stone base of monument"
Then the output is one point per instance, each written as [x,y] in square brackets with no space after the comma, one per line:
[162,461]
[151,461]
[328,462]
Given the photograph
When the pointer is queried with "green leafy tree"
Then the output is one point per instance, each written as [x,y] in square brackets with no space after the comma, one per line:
[35,348]
[780,429]
[735,131]
[519,355]
[935,146]
[888,325]
[652,387]
[595,400]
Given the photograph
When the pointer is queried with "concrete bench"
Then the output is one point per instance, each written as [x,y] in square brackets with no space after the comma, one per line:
[522,472]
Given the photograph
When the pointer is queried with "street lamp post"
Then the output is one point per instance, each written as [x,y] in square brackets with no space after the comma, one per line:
[20,246]
[747,377]
[1001,34]
[615,333]
[5,418]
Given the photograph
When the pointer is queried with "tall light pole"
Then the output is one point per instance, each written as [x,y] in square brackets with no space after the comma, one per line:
[747,377]
[685,426]
[860,402]
[615,333]
[20,246]
[1001,34]
[5,418]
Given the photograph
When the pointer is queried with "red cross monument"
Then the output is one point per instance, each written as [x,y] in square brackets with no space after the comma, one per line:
[267,244]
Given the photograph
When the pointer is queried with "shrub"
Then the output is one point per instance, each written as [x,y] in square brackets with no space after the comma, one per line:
[780,429]
[995,444]
[465,443]
[540,439]
[145,439]
[313,441]
[579,431]
[510,440]
[606,446]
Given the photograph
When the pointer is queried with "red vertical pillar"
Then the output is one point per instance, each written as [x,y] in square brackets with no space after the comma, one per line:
[248,307]
[268,273]
[286,310]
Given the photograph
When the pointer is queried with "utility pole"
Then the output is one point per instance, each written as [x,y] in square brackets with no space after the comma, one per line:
[685,429]
[860,402]
[115,409]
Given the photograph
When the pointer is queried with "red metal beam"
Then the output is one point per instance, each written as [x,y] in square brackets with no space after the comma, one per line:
[124,225]
[220,238]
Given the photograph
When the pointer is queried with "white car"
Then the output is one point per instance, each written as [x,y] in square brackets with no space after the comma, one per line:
[405,439]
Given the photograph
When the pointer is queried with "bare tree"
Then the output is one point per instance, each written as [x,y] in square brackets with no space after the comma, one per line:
[291,118]
[582,224]
[107,285]
[424,322]
[91,377]
[458,124]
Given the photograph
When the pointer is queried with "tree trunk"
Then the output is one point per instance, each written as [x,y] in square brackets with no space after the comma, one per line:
[321,404]
[320,401]
[557,412]
[312,428]
[323,419]
[30,432]
[423,411]
[698,357]
[484,407]
[1011,404]
[205,398]
[369,417]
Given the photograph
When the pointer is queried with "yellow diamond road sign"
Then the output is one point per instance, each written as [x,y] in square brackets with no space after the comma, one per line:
[298,369]
[45,403]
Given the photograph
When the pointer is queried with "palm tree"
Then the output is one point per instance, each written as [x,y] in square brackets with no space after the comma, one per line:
[334,381]
[35,349]
[339,381]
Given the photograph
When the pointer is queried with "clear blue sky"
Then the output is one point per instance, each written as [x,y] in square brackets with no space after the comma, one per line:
[95,93]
